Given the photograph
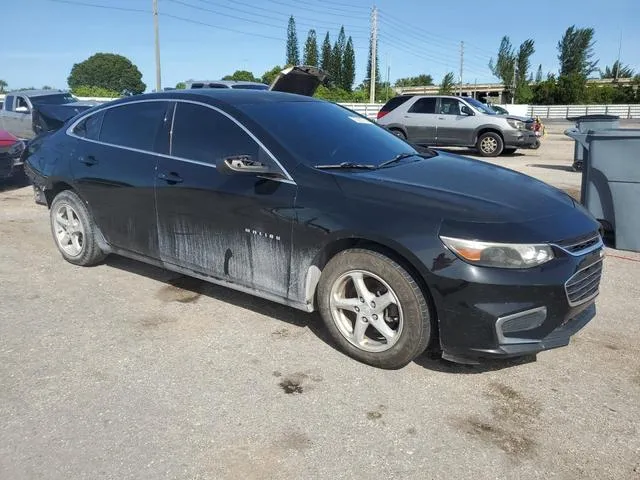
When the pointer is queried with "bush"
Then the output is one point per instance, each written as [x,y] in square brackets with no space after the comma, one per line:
[85,91]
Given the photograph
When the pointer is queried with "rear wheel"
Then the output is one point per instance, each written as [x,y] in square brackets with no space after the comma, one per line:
[374,309]
[490,144]
[73,230]
[398,133]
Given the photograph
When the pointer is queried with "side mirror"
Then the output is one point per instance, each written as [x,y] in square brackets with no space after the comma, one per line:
[21,110]
[466,111]
[242,164]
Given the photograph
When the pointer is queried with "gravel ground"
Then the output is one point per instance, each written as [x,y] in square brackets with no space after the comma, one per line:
[124,371]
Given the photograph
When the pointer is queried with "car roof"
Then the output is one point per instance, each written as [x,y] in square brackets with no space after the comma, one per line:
[36,93]
[223,96]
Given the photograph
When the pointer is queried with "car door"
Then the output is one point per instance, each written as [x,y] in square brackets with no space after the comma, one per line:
[114,165]
[229,225]
[455,123]
[421,120]
[15,122]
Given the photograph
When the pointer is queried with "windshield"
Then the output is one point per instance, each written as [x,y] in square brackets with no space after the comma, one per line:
[482,107]
[55,99]
[323,133]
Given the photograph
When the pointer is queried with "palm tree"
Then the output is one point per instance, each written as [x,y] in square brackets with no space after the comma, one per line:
[3,86]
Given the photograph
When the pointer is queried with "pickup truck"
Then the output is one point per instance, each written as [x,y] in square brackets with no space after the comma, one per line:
[27,113]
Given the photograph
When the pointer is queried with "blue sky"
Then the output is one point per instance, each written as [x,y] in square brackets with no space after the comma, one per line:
[416,36]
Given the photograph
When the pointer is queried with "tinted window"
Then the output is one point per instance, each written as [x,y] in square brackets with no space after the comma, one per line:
[251,87]
[424,105]
[449,106]
[133,125]
[320,133]
[395,102]
[9,103]
[90,127]
[203,134]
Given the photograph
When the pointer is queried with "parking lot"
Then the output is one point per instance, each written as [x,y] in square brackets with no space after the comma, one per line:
[127,371]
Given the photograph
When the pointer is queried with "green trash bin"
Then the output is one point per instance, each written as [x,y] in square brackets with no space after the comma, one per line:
[586,123]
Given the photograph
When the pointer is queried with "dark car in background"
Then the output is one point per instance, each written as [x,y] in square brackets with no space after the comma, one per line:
[11,150]
[311,205]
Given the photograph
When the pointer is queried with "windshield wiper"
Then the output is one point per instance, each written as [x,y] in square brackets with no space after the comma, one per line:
[402,156]
[346,165]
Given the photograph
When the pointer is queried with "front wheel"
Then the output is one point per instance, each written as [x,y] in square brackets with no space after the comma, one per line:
[398,133]
[490,144]
[374,309]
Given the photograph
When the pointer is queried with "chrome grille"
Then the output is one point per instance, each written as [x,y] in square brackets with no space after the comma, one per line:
[578,245]
[584,285]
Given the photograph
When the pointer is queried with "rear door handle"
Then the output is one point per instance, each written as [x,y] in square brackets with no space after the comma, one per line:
[89,160]
[440,118]
[171,178]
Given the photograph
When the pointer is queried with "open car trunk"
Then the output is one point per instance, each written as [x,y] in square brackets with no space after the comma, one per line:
[52,117]
[301,79]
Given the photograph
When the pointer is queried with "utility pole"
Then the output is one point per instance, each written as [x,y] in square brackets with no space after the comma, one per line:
[513,93]
[615,74]
[157,41]
[374,54]
[461,64]
[388,86]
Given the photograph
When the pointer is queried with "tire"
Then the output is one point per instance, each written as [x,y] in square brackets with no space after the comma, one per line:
[398,133]
[384,280]
[74,231]
[490,144]
[509,151]
[536,145]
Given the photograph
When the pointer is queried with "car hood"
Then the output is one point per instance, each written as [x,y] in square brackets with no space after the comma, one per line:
[460,189]
[302,80]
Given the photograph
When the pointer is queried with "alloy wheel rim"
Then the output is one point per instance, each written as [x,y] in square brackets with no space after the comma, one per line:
[69,230]
[489,145]
[366,311]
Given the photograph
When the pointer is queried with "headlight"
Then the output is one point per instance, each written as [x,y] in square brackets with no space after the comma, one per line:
[501,255]
[517,124]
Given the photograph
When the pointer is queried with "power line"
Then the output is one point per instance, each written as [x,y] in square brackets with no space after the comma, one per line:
[198,22]
[333,13]
[105,7]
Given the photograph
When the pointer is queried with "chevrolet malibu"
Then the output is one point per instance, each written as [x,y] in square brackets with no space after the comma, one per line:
[311,205]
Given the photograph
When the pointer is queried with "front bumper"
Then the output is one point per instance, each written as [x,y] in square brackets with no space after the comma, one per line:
[520,138]
[486,313]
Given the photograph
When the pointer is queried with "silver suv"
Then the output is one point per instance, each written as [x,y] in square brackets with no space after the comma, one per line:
[448,121]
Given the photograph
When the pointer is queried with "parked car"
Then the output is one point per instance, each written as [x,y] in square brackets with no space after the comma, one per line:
[300,79]
[499,110]
[26,113]
[11,149]
[448,121]
[324,210]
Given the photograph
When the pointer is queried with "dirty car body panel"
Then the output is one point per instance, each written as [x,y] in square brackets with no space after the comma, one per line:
[270,231]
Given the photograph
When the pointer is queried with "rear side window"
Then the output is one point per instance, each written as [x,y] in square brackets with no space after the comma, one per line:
[90,127]
[133,125]
[394,103]
[205,135]
[8,102]
[424,105]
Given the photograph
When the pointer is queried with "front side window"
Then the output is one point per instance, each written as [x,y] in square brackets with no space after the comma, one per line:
[133,125]
[449,106]
[21,102]
[205,135]
[8,102]
[90,127]
[424,105]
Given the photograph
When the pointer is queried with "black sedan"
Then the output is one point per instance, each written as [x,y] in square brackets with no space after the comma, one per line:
[311,205]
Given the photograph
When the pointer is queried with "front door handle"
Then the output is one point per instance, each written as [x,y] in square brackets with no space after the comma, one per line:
[171,178]
[89,160]
[440,118]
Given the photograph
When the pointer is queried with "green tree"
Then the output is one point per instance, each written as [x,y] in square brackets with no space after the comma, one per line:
[539,74]
[575,52]
[325,59]
[181,86]
[523,90]
[447,85]
[293,52]
[417,81]
[109,71]
[617,70]
[94,92]
[545,92]
[337,60]
[505,64]
[270,75]
[241,76]
[310,56]
[349,66]
[3,86]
